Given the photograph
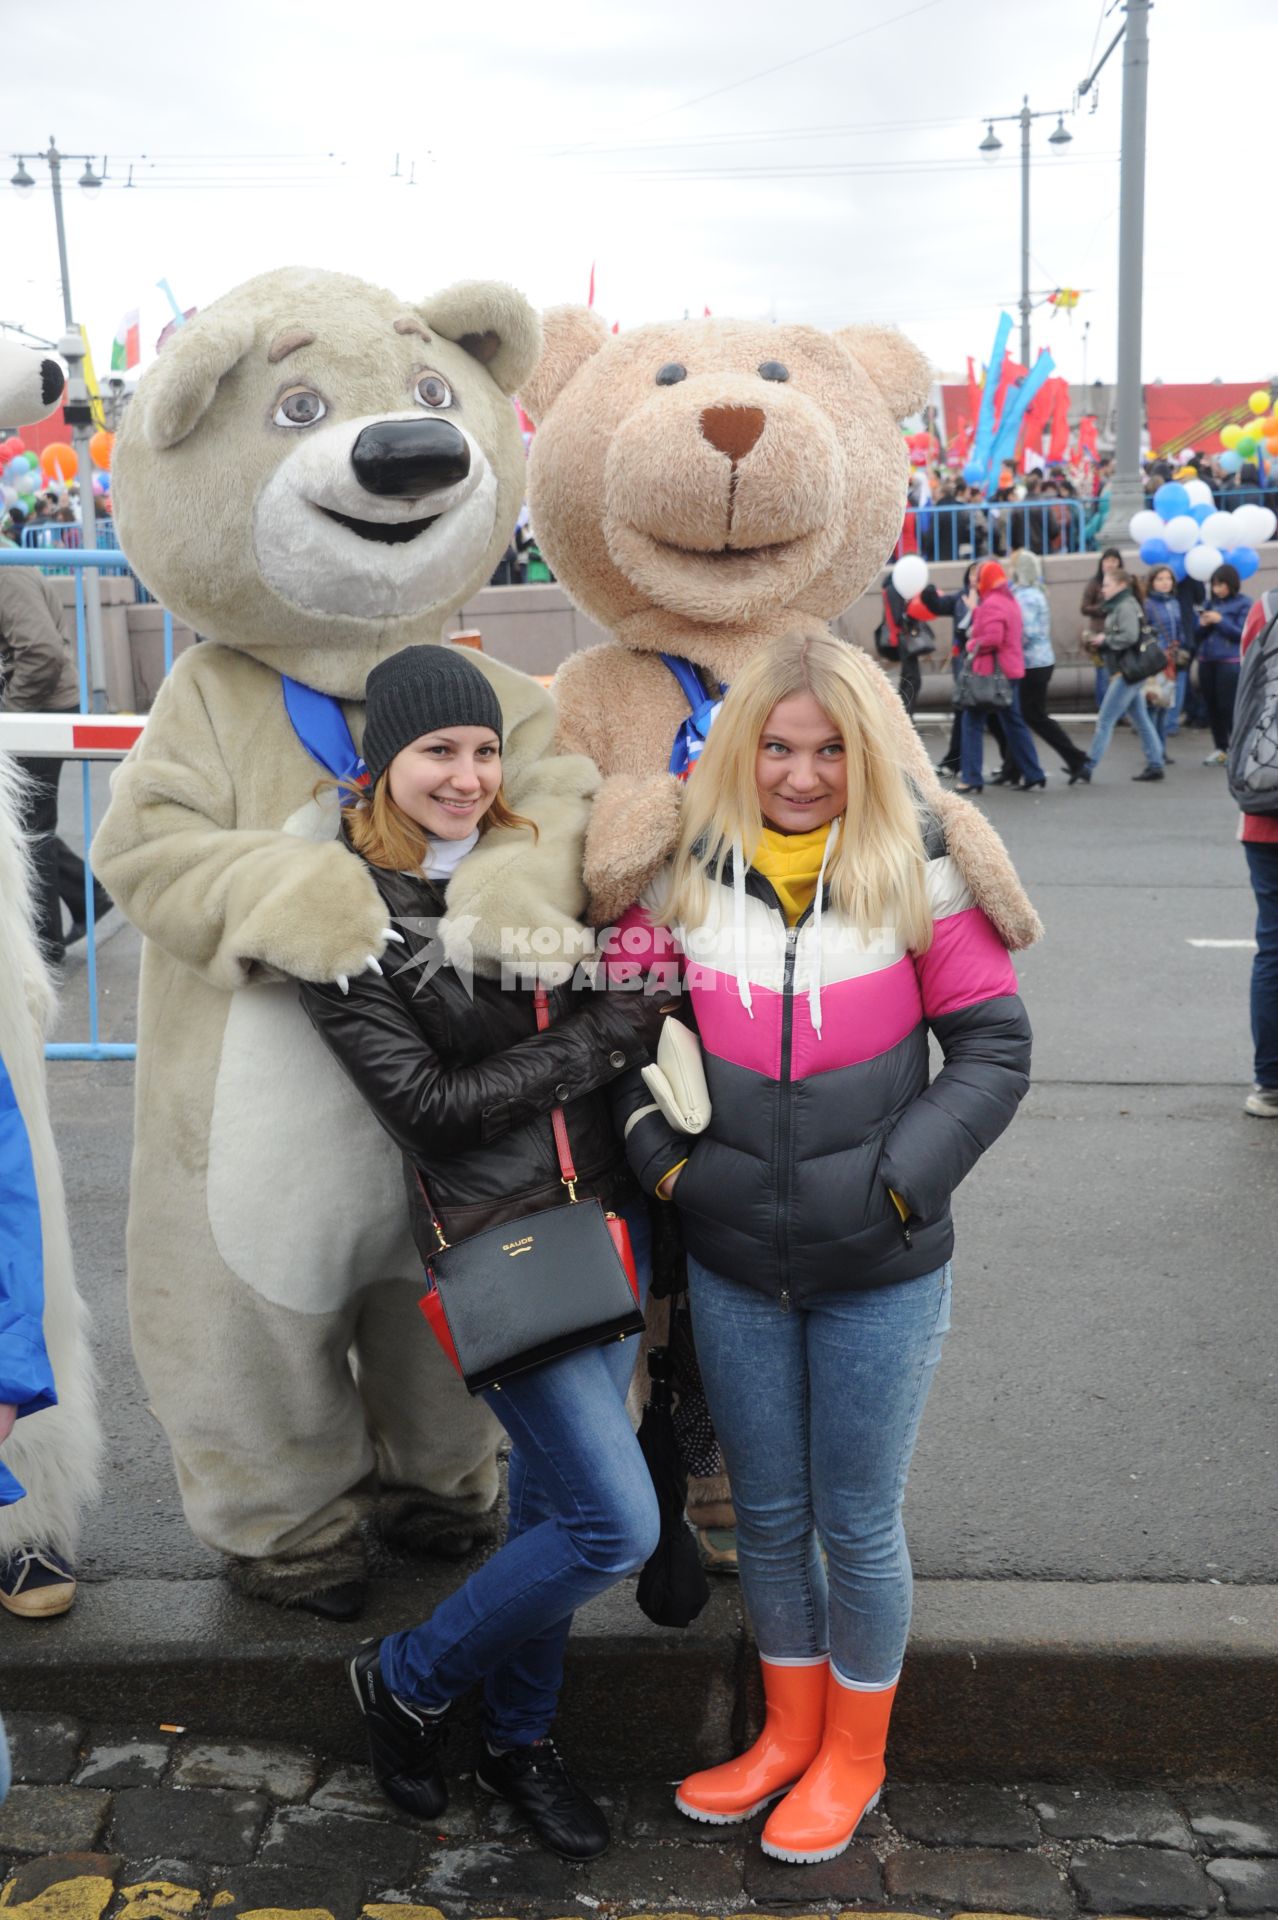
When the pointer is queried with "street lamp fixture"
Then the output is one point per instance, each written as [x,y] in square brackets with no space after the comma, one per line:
[22,181]
[989,149]
[91,182]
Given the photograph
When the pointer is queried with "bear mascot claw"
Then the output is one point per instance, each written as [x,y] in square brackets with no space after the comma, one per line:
[314,474]
[52,1453]
[698,487]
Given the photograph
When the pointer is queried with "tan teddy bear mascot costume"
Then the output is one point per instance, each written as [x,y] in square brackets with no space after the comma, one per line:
[314,474]
[50,1454]
[698,488]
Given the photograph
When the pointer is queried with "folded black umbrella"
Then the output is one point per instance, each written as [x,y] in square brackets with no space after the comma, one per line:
[672,1586]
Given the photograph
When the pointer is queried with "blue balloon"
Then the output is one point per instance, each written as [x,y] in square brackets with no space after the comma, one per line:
[1155,553]
[1244,561]
[1170,500]
[1203,511]
[973,474]
[1230,462]
[1177,565]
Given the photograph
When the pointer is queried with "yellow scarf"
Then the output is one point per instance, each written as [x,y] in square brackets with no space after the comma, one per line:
[790,863]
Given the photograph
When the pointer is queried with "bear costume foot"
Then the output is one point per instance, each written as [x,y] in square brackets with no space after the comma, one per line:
[332,1583]
[417,1524]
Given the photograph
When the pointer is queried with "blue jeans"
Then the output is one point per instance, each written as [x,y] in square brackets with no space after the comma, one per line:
[1262,865]
[583,1514]
[1020,742]
[817,1411]
[1125,696]
[1172,714]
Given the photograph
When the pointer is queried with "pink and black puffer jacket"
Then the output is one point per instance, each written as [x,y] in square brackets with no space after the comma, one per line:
[815,1043]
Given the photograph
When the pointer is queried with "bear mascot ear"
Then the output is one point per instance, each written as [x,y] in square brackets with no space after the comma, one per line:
[31,384]
[491,322]
[901,373]
[177,389]
[572,336]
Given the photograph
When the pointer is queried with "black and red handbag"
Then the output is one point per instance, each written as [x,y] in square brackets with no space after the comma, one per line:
[547,1284]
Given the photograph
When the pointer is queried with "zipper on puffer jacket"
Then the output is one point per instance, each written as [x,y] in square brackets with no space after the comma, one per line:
[783,1116]
[785,1143]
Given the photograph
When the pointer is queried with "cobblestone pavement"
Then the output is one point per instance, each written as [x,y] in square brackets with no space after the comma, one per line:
[157,1824]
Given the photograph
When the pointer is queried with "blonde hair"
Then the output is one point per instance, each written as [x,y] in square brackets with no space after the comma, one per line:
[379,829]
[877,870]
[1024,568]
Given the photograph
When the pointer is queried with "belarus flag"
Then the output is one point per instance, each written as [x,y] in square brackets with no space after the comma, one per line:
[126,349]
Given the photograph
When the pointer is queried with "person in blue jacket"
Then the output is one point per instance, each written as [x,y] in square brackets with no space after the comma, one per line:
[26,1377]
[1220,626]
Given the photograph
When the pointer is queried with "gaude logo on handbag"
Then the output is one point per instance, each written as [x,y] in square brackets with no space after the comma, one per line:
[515,1247]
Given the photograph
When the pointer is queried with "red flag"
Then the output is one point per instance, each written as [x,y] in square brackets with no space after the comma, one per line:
[616,326]
[1059,446]
[590,299]
[705,313]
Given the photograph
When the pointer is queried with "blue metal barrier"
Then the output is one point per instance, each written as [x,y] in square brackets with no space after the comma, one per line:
[75,560]
[962,530]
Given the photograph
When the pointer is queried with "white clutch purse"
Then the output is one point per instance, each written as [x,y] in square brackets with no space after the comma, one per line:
[677,1082]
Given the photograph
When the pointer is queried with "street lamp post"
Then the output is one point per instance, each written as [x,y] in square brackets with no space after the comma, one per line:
[77,407]
[991,146]
[1127,494]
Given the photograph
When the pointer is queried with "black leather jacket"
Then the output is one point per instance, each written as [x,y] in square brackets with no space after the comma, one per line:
[457,1073]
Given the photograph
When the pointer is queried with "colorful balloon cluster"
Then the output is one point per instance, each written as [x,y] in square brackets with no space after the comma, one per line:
[19,470]
[1186,532]
[1245,442]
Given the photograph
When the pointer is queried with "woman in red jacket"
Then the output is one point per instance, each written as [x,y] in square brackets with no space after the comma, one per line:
[995,641]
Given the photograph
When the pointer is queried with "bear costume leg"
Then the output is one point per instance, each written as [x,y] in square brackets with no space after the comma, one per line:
[263,1412]
[422,1507]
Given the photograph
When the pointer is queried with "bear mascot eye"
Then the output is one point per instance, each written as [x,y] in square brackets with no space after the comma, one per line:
[434,392]
[299,407]
[773,370]
[671,374]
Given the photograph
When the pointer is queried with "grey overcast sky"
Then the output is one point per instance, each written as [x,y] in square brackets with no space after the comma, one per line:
[812,160]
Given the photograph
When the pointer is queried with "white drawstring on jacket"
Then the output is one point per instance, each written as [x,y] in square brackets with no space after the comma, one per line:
[814,984]
[739,925]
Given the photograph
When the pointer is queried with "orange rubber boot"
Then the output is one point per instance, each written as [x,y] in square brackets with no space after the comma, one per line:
[818,1819]
[790,1740]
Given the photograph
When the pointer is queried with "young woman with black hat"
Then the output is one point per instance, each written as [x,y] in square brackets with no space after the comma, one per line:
[456,1071]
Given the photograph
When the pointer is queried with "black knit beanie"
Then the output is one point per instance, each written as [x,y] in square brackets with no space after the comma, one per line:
[418,691]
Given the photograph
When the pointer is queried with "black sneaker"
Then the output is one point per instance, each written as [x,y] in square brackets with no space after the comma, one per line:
[36,1583]
[536,1782]
[404,1742]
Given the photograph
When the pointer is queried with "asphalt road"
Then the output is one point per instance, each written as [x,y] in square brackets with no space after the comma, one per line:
[1105,1408]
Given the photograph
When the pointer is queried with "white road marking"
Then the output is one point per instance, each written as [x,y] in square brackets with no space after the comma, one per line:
[1247,946]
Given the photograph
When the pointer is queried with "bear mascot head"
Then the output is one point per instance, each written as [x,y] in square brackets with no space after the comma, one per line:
[316,472]
[698,487]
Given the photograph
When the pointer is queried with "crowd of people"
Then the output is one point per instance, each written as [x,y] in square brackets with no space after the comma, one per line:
[1051,510]
[1167,653]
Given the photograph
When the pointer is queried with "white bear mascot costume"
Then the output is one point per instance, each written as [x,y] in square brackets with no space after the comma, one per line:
[314,474]
[53,1453]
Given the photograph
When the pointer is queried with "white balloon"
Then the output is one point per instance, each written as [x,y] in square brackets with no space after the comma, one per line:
[1218,530]
[1203,562]
[1199,493]
[1145,526]
[1181,533]
[1253,526]
[909,575]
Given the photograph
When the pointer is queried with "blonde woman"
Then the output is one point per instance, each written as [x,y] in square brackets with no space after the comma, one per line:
[825,933]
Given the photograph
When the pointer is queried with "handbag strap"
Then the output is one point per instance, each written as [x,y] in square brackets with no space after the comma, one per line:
[567,1170]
